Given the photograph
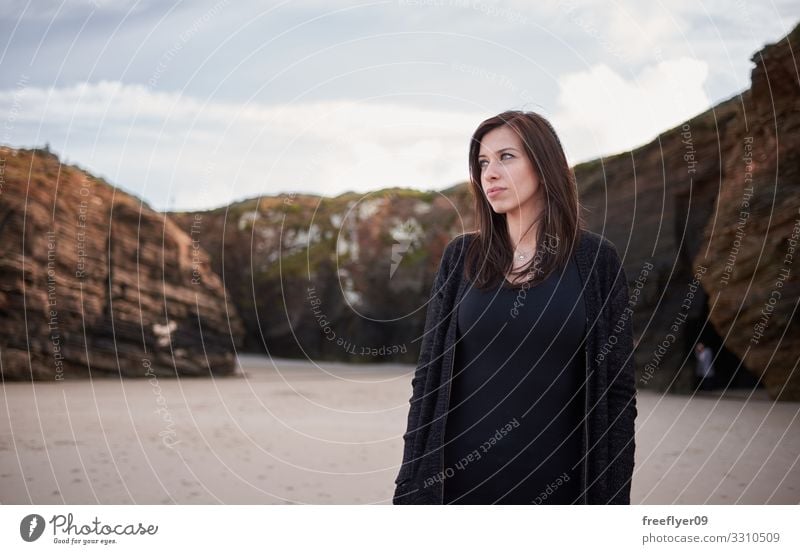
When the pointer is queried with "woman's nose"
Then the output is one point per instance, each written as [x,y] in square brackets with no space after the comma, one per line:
[490,171]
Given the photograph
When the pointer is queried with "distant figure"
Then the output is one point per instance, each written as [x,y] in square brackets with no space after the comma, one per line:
[704,370]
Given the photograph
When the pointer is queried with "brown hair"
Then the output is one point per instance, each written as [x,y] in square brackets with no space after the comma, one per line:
[560,220]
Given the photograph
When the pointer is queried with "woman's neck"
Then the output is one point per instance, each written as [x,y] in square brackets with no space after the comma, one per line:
[521,232]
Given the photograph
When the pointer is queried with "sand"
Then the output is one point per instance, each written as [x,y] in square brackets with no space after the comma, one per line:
[292,432]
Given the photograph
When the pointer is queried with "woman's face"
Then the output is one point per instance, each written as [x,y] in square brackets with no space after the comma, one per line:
[508,178]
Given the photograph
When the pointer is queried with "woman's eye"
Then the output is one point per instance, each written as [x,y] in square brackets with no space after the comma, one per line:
[483,163]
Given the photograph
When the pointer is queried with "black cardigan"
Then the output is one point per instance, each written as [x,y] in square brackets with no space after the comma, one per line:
[607,435]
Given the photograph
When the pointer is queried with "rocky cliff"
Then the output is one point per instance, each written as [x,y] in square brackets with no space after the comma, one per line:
[343,278]
[95,283]
[712,206]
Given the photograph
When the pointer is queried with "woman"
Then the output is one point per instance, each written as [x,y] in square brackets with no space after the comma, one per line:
[524,392]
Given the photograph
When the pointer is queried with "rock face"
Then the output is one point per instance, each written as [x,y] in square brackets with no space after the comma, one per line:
[754,245]
[343,278]
[713,202]
[94,283]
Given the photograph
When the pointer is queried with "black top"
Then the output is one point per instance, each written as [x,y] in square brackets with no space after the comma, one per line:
[513,430]
[610,442]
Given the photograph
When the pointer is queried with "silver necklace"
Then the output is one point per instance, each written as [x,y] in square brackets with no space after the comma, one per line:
[520,256]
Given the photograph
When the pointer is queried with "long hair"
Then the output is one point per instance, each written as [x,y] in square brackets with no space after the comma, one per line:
[490,256]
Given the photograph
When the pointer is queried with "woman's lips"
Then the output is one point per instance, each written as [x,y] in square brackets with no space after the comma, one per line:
[494,191]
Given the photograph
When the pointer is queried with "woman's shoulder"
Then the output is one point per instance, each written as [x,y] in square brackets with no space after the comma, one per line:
[454,254]
[605,263]
[595,241]
[598,246]
[457,246]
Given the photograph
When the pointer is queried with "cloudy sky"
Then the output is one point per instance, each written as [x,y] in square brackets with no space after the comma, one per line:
[195,104]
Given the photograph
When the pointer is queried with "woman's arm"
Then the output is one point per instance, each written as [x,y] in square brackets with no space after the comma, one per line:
[432,319]
[622,410]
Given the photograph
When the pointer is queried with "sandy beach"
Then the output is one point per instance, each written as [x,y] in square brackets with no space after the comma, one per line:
[294,432]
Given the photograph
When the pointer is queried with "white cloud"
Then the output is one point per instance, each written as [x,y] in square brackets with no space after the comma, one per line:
[602,112]
[170,147]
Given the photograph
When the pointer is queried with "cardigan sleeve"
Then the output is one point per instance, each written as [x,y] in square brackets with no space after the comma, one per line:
[418,382]
[622,410]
